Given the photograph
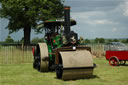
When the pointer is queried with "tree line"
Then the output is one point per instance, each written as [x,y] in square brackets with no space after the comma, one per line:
[10,40]
[81,40]
[101,40]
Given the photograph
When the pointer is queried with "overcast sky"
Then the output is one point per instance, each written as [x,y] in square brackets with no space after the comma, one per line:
[95,18]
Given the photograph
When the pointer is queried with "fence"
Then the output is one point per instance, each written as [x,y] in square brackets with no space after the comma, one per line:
[17,54]
[97,50]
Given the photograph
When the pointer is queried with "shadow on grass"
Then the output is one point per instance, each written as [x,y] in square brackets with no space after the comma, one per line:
[92,77]
[124,65]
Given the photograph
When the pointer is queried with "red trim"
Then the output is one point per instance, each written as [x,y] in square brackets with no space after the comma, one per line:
[67,8]
[33,50]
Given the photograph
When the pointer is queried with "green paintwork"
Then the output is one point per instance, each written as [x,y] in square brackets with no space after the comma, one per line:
[50,51]
[56,42]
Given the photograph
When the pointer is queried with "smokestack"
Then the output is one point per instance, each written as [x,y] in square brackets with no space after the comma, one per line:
[67,19]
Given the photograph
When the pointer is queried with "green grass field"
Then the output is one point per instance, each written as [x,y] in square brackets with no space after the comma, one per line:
[24,74]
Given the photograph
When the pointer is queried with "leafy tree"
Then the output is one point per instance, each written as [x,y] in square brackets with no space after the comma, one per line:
[87,41]
[99,40]
[26,14]
[96,40]
[115,40]
[123,41]
[9,40]
[109,40]
[37,40]
[126,40]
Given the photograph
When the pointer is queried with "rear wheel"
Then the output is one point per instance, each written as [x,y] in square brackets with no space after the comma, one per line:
[114,61]
[41,60]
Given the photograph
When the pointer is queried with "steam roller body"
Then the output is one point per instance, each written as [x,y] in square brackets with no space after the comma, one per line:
[61,51]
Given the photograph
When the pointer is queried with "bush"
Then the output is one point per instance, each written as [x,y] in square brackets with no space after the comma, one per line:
[9,40]
[37,40]
[99,40]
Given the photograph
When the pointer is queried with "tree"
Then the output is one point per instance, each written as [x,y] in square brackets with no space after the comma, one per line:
[115,40]
[87,41]
[109,40]
[126,40]
[102,40]
[9,40]
[96,40]
[37,40]
[123,41]
[99,40]
[26,14]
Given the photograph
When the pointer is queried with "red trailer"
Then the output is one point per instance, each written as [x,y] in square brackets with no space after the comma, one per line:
[117,57]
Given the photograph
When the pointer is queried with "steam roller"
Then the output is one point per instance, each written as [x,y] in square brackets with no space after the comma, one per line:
[61,51]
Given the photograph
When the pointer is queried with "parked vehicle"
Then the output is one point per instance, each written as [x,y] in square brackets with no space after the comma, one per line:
[116,53]
[115,46]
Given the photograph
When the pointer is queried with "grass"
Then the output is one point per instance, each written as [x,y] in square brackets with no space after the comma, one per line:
[24,74]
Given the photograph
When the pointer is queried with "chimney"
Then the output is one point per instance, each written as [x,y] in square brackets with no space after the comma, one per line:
[67,22]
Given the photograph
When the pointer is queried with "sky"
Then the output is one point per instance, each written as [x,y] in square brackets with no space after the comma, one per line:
[95,19]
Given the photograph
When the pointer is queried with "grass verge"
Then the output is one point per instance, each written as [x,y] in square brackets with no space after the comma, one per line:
[24,74]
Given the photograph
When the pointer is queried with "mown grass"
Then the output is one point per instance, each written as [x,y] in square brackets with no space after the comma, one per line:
[24,74]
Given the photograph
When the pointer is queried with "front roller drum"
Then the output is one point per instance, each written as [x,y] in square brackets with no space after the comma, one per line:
[73,73]
[75,65]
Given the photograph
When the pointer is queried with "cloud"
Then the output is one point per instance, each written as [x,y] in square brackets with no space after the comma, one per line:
[92,5]
[103,22]
[124,7]
[114,29]
[92,18]
[99,22]
[106,21]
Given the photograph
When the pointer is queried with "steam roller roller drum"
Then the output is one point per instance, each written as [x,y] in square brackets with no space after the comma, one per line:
[75,65]
[41,57]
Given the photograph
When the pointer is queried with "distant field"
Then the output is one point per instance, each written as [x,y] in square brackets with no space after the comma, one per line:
[24,74]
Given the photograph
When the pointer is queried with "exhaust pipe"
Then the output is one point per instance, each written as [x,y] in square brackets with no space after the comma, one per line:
[67,23]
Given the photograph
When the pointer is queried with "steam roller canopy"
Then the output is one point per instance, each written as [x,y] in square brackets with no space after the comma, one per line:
[42,52]
[75,65]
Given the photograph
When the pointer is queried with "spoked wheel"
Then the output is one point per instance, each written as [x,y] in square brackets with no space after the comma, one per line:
[122,62]
[114,61]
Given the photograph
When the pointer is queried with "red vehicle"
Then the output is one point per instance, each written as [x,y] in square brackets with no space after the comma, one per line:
[117,57]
